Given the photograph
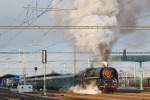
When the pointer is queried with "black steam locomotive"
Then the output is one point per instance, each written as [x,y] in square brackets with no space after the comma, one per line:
[106,78]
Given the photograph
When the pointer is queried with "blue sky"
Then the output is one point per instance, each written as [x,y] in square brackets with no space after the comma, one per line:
[15,14]
[12,12]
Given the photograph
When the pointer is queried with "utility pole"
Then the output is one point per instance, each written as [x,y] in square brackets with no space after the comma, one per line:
[89,63]
[44,61]
[35,69]
[125,79]
[36,5]
[65,68]
[135,74]
[24,68]
[75,61]
[141,76]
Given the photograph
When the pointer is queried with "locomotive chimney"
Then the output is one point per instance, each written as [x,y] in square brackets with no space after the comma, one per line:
[105,64]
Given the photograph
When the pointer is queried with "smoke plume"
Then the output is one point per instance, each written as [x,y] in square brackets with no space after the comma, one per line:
[130,12]
[97,13]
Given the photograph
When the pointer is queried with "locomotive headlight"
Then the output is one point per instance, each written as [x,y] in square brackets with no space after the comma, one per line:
[107,74]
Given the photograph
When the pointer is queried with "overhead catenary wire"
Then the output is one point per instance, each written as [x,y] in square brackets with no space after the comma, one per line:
[77,27]
[69,52]
[18,16]
[29,20]
[25,21]
[51,9]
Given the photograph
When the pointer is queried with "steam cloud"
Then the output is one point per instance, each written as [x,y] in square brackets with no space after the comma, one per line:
[88,89]
[130,10]
[98,13]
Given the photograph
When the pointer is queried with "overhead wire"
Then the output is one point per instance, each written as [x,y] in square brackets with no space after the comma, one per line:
[18,16]
[67,52]
[42,13]
[22,23]
[76,27]
[27,20]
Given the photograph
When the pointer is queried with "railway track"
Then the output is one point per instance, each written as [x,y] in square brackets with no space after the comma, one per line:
[8,95]
[5,94]
[118,96]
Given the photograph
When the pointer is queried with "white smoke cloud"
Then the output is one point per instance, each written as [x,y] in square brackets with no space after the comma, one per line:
[130,11]
[98,13]
[88,89]
[91,13]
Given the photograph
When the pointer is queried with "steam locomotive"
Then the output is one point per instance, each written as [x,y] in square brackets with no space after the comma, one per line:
[106,78]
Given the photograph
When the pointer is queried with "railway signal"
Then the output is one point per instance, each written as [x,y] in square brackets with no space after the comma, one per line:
[44,56]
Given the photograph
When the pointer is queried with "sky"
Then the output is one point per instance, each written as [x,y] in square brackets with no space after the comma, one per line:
[14,12]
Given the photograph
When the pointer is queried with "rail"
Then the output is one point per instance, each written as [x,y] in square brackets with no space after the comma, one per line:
[6,94]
